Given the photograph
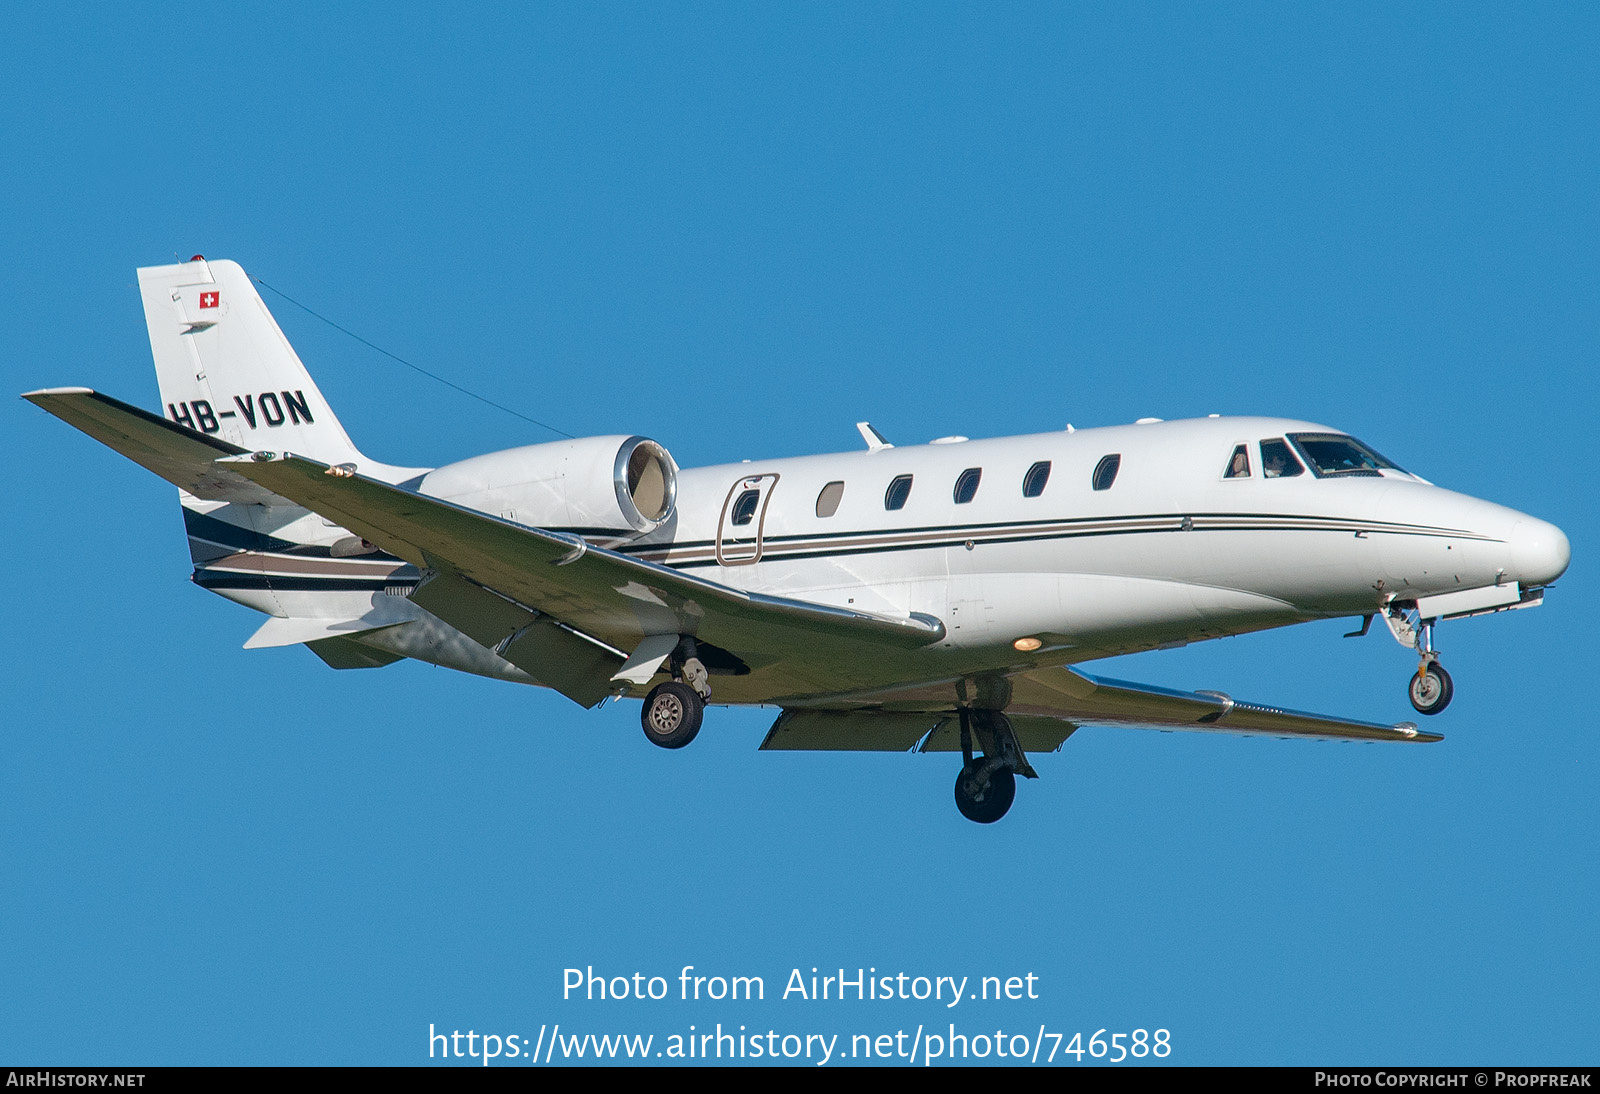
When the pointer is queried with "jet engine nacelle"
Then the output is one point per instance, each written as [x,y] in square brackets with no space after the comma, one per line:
[616,486]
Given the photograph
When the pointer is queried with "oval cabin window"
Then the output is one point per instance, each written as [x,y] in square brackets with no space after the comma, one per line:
[828,500]
[899,490]
[1033,482]
[1105,472]
[967,485]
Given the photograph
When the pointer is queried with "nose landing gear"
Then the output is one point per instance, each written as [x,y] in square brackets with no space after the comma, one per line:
[1431,688]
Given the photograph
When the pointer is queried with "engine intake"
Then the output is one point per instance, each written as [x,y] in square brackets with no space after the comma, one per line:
[617,486]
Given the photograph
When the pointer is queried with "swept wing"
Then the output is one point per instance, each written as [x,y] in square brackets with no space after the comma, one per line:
[614,601]
[183,457]
[1046,706]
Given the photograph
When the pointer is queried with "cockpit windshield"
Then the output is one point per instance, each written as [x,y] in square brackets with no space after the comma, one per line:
[1333,454]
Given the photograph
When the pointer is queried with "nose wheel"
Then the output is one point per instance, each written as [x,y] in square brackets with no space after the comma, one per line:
[1431,689]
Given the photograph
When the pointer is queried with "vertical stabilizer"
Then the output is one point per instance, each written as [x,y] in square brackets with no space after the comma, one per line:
[226,369]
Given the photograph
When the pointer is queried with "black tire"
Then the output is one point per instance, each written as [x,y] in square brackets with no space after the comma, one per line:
[993,802]
[671,715]
[1431,690]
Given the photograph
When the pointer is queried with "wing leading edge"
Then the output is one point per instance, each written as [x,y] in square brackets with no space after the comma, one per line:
[1097,700]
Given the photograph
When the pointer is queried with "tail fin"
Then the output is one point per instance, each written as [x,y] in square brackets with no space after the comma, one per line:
[225,367]
[226,371]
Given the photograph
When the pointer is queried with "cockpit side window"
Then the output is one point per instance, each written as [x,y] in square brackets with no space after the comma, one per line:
[1331,454]
[1238,463]
[1277,462]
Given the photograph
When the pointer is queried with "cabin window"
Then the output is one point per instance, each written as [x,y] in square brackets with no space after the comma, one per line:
[744,510]
[899,490]
[828,500]
[1033,482]
[1105,472]
[1238,463]
[1332,454]
[967,485]
[1277,462]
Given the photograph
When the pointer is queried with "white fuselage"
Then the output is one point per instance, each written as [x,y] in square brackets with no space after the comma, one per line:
[1009,553]
[1172,551]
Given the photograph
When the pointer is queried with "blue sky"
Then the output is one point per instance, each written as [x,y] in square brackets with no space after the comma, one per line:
[739,230]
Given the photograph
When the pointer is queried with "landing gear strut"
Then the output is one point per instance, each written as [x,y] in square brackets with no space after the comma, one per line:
[1430,689]
[987,785]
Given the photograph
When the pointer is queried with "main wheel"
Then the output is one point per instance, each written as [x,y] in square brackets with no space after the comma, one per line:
[671,714]
[1431,689]
[989,804]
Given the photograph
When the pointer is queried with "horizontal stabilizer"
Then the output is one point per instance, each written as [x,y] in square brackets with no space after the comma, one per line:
[347,653]
[184,457]
[279,631]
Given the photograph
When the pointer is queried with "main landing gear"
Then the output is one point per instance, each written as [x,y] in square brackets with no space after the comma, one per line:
[987,784]
[1431,689]
[672,713]
[673,710]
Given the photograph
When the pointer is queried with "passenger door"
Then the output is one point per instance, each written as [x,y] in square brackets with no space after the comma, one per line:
[743,519]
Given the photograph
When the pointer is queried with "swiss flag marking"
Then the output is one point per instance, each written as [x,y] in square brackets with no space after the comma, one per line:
[208,299]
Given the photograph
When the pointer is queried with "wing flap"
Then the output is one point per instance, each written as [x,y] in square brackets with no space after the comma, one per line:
[553,655]
[1035,733]
[183,457]
[849,731]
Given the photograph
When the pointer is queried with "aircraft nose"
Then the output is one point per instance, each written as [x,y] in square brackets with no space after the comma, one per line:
[1539,552]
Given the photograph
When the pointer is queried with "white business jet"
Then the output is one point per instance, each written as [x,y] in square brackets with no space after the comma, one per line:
[935,598]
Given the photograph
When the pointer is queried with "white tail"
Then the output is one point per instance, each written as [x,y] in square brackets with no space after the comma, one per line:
[227,370]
